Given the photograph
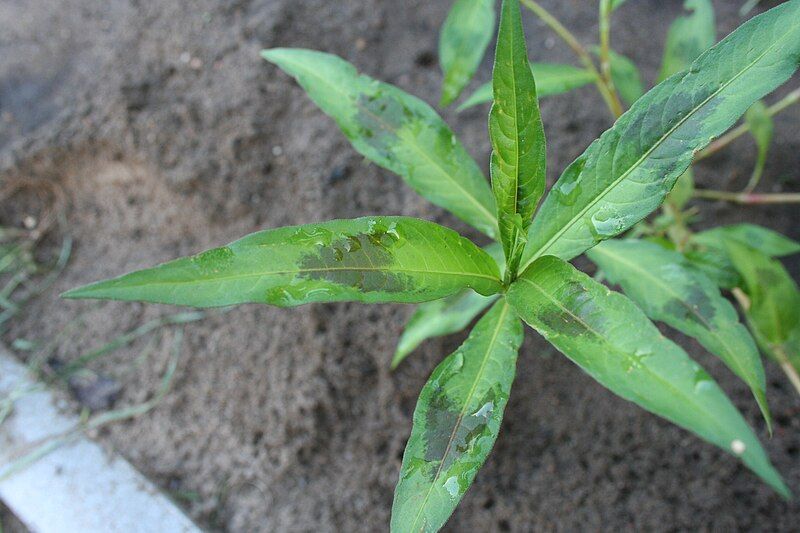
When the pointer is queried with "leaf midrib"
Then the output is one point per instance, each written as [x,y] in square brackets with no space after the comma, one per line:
[644,157]
[485,360]
[492,219]
[311,270]
[627,356]
[515,118]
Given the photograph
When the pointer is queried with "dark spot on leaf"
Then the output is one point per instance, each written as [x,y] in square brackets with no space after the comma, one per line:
[450,436]
[581,311]
[360,261]
[698,308]
[379,118]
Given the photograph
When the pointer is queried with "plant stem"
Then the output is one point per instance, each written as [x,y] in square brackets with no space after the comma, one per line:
[755,177]
[605,53]
[788,368]
[788,100]
[567,36]
[748,198]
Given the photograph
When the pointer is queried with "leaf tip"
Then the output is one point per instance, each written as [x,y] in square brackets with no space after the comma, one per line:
[273,55]
[398,357]
[92,290]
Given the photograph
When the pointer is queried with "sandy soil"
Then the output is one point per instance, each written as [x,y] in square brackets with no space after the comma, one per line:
[170,135]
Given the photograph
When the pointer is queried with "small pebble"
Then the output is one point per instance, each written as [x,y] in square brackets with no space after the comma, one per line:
[29,222]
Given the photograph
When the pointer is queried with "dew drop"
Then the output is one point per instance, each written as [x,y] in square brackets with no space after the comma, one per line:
[458,363]
[605,225]
[452,486]
[485,411]
[567,192]
[702,381]
[311,235]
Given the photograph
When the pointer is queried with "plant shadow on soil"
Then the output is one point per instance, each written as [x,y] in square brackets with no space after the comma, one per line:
[170,135]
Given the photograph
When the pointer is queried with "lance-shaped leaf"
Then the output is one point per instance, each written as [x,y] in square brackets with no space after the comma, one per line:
[610,338]
[626,77]
[551,79]
[371,259]
[688,37]
[462,42]
[668,290]
[395,130]
[683,191]
[773,310]
[761,128]
[765,240]
[617,3]
[456,422]
[445,316]
[516,132]
[624,175]
[709,254]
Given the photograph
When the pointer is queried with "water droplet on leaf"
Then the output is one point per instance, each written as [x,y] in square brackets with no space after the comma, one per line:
[452,486]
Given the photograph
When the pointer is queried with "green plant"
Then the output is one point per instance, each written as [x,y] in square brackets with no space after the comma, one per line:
[618,181]
[618,80]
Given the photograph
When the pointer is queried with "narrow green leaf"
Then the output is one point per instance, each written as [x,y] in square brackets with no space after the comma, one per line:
[667,290]
[708,253]
[762,128]
[766,241]
[715,266]
[462,42]
[456,422]
[517,134]
[551,79]
[774,307]
[683,191]
[626,77]
[774,298]
[688,37]
[395,130]
[445,316]
[371,259]
[610,338]
[624,175]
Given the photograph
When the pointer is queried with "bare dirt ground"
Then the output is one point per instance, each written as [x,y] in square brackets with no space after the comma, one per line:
[170,135]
